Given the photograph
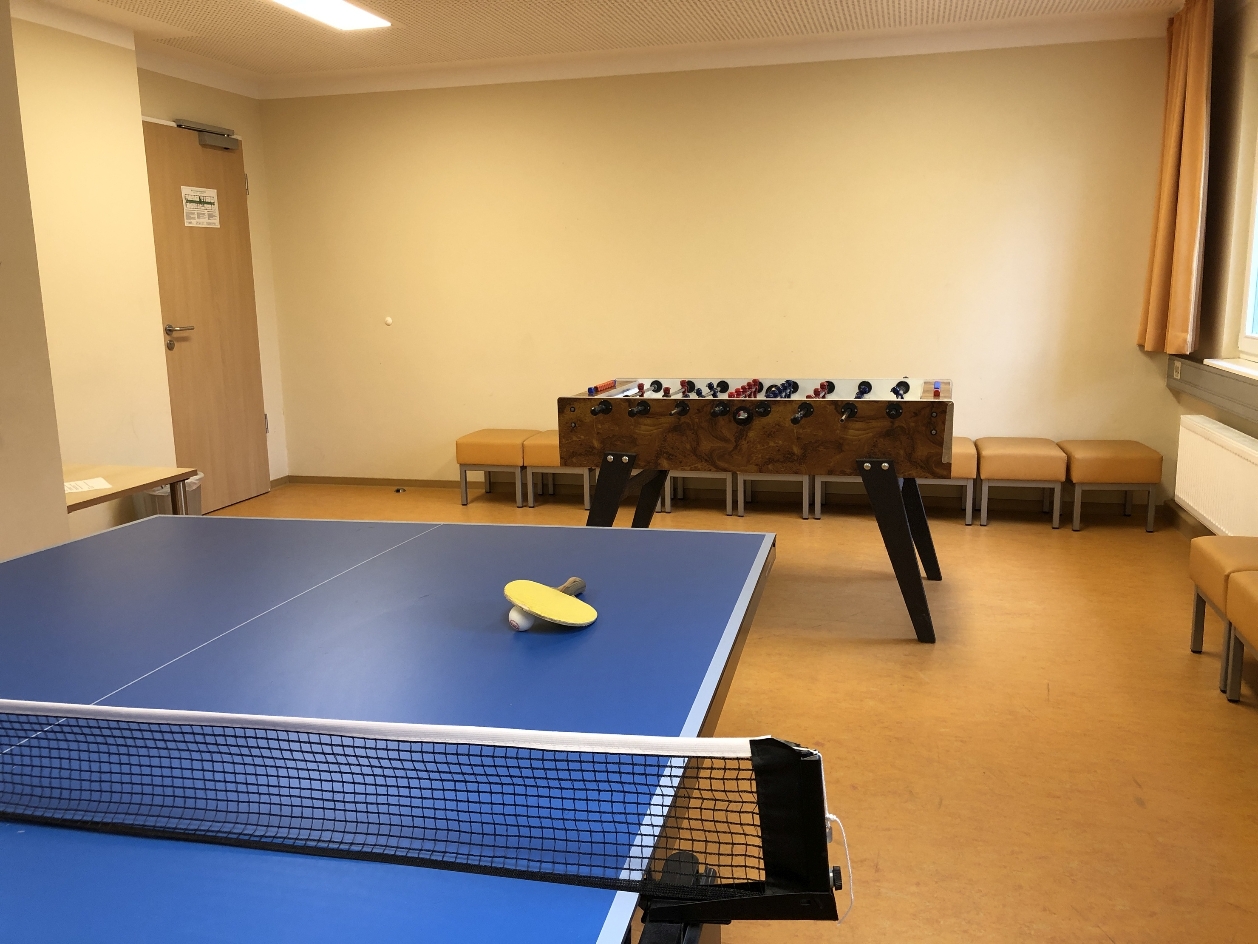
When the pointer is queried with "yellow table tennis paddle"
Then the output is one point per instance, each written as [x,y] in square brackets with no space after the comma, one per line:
[533,600]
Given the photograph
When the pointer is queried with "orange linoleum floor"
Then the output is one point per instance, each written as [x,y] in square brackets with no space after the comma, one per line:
[1057,768]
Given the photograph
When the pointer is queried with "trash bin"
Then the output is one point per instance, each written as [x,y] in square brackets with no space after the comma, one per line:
[156,501]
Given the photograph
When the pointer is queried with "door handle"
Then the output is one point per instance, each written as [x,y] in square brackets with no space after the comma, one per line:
[170,334]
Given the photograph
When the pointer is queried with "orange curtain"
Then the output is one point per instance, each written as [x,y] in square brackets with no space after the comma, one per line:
[1172,295]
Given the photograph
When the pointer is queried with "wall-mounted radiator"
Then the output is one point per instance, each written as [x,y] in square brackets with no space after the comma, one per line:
[1217,476]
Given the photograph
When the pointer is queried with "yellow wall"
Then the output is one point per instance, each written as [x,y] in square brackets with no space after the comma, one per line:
[983,216]
[32,502]
[94,233]
[168,98]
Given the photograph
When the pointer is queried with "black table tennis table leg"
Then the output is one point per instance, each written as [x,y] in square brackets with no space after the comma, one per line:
[888,500]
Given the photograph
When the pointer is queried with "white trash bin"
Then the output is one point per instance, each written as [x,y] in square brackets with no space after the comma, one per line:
[156,501]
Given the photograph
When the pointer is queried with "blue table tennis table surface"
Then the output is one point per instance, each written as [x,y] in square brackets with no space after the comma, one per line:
[371,621]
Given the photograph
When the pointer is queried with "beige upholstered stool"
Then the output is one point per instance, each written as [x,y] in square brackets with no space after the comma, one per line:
[541,457]
[964,472]
[1242,618]
[1026,463]
[680,479]
[492,450]
[1212,562]
[744,480]
[1113,465]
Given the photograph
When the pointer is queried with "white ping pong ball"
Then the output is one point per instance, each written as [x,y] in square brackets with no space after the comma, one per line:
[388,321]
[520,621]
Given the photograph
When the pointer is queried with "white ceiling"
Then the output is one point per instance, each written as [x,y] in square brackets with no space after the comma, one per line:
[281,52]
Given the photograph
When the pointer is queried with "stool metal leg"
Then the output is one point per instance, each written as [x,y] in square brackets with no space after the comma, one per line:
[585,478]
[819,495]
[668,493]
[463,484]
[729,494]
[1150,513]
[1044,500]
[531,473]
[969,502]
[1127,502]
[1235,662]
[519,488]
[1057,505]
[807,488]
[1078,507]
[1198,637]
[489,481]
[982,512]
[741,484]
[1225,655]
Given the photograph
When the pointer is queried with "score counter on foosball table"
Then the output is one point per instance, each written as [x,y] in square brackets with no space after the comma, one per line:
[889,432]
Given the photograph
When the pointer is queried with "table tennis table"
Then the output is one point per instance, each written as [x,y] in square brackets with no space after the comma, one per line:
[372,621]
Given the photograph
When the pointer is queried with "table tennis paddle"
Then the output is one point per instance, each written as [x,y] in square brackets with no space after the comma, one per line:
[533,600]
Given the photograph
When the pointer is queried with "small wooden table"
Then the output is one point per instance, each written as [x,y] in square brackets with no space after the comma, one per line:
[126,480]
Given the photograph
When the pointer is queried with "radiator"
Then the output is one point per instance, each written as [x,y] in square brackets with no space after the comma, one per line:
[1217,476]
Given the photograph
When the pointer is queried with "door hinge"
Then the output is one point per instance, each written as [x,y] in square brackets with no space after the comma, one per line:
[266,423]
[246,185]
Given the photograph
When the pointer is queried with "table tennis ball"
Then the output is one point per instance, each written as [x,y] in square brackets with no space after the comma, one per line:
[520,621]
[388,321]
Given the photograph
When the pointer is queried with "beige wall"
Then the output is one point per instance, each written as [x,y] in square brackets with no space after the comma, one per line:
[94,232]
[983,216]
[169,98]
[32,501]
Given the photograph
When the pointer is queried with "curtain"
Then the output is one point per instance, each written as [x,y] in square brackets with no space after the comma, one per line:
[1172,295]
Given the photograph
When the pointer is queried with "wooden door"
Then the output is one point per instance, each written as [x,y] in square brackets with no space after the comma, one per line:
[205,277]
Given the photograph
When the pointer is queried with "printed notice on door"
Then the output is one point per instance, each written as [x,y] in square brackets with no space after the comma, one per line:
[200,207]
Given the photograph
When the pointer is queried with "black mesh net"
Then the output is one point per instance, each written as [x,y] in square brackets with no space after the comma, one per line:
[618,821]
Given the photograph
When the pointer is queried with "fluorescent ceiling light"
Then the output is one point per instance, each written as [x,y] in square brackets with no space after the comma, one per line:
[338,13]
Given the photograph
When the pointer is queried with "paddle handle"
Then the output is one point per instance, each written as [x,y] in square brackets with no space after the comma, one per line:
[573,586]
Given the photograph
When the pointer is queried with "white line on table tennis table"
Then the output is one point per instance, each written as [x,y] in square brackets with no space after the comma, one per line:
[264,613]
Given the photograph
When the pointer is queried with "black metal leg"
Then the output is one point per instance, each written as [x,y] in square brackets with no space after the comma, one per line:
[920,529]
[652,484]
[883,489]
[613,479]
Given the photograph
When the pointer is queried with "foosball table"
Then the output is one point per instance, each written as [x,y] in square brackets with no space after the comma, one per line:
[889,432]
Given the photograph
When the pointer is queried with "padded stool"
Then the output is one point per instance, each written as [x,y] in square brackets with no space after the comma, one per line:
[541,457]
[1212,563]
[964,472]
[744,478]
[1242,617]
[1021,462]
[680,479]
[492,450]
[1113,465]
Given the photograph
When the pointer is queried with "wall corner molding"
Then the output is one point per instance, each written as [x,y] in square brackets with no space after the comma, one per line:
[46,14]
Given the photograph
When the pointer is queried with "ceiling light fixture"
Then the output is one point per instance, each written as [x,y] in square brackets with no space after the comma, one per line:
[337,13]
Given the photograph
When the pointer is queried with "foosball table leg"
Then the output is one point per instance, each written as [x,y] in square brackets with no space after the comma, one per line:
[883,488]
[919,527]
[615,478]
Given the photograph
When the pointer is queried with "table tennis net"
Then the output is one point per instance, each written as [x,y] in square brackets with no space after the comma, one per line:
[625,813]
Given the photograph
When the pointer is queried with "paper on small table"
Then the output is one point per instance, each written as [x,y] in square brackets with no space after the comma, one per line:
[86,485]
